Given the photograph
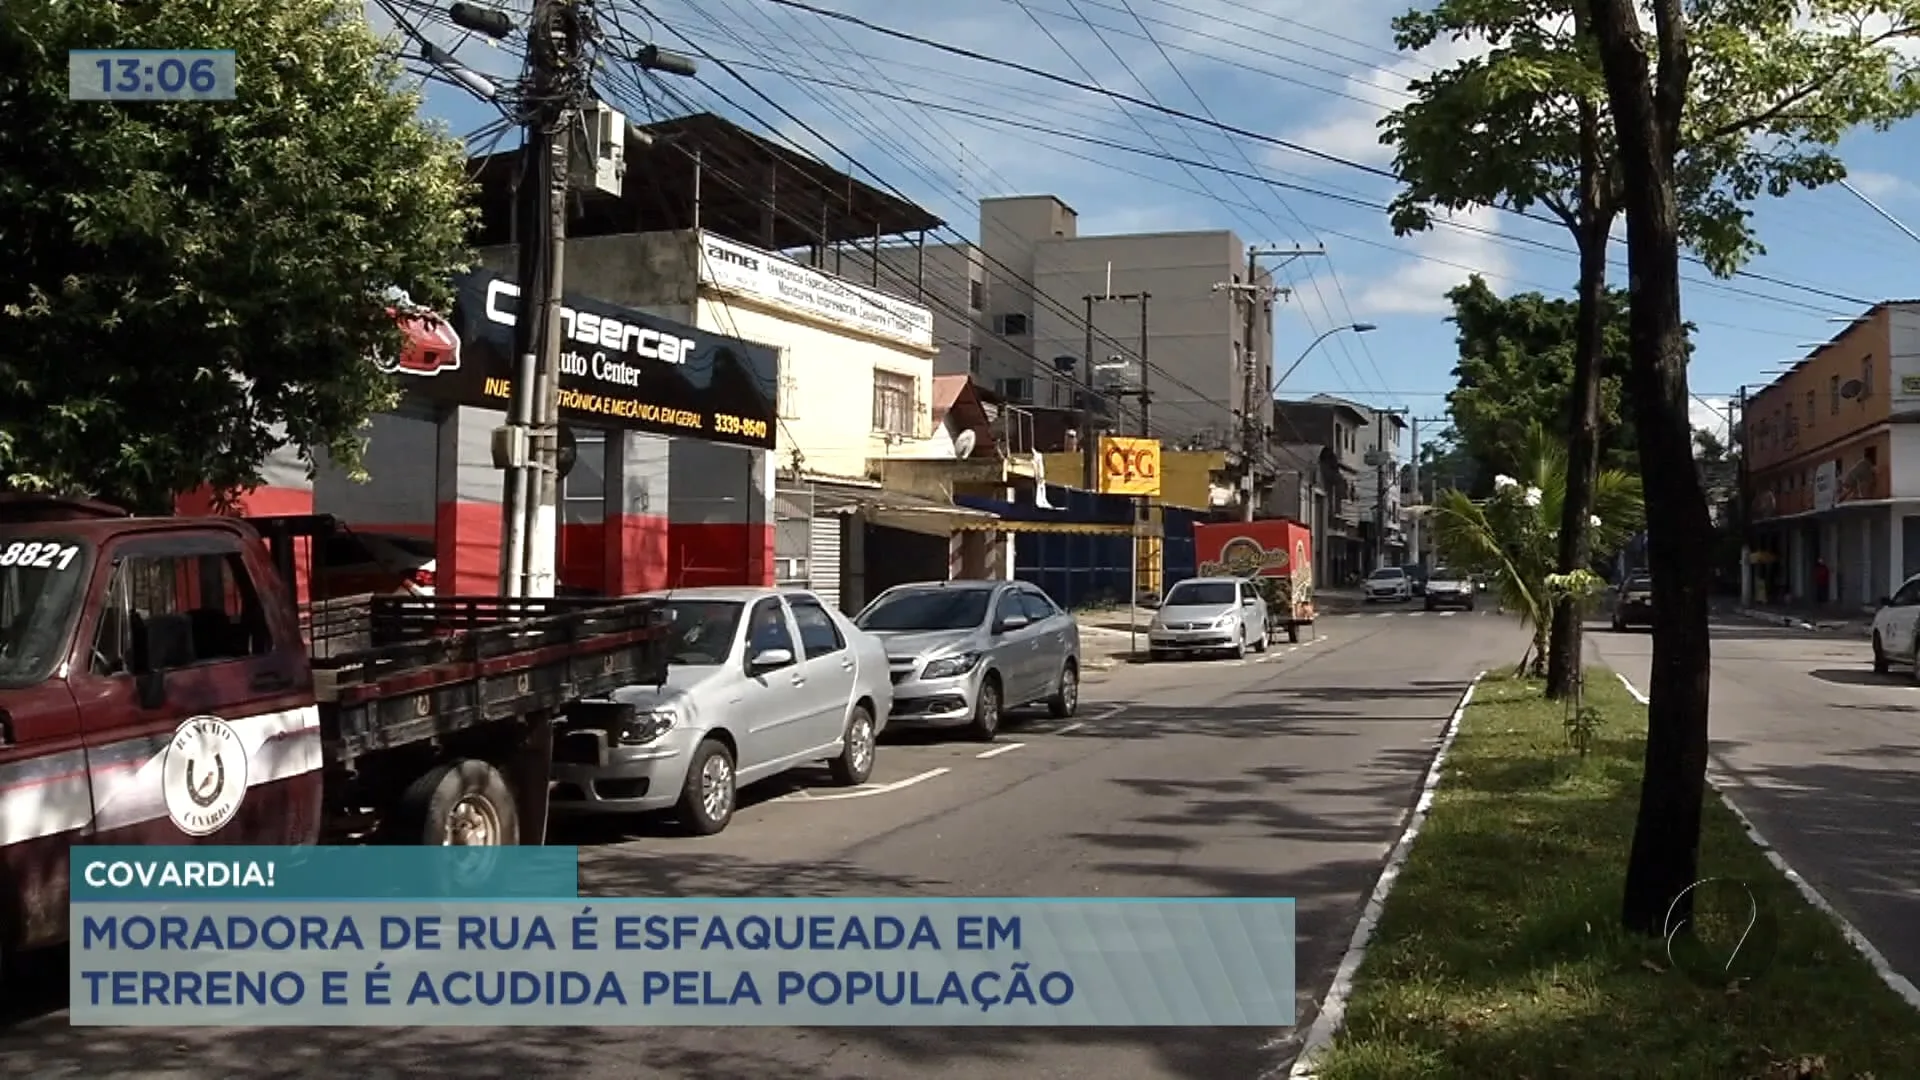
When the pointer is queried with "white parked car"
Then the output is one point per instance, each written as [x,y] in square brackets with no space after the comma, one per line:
[759,681]
[1208,614]
[1896,629]
[1387,583]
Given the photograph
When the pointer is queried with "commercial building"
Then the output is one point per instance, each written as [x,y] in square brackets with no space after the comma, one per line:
[1833,463]
[732,407]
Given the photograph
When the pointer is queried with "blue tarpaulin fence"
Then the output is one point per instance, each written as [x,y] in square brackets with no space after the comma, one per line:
[1092,568]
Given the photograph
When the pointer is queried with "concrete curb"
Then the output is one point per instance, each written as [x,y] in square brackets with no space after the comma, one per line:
[1333,1008]
[1895,981]
[1775,618]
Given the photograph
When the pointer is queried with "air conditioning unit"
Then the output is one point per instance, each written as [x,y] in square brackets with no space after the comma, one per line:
[600,155]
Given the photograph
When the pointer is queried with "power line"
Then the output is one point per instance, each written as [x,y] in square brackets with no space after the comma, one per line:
[1231,129]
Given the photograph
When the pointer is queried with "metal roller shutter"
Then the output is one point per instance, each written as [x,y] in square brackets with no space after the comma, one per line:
[823,557]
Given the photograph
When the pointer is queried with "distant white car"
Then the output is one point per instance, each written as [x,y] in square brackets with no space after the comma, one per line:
[1387,583]
[1896,629]
[1208,614]
[759,681]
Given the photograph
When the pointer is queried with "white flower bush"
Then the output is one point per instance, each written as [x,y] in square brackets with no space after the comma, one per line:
[1512,535]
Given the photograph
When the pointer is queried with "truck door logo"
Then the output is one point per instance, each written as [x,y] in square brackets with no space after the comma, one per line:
[204,775]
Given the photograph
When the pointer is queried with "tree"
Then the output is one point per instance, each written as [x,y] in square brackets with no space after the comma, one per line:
[1523,126]
[1515,370]
[188,286]
[1512,535]
[1754,103]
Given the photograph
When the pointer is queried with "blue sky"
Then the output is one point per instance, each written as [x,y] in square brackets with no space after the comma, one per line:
[1320,75]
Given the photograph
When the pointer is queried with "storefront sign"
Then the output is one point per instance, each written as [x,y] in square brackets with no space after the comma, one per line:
[804,291]
[1129,466]
[619,368]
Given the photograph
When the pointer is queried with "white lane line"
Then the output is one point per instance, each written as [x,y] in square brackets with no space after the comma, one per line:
[1075,726]
[1897,982]
[1333,1009]
[865,790]
[1006,748]
[1383,615]
[1448,614]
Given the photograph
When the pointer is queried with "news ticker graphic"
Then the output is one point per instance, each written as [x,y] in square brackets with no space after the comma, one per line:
[127,874]
[186,957]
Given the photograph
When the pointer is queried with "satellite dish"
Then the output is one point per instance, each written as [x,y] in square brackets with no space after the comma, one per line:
[964,443]
[1851,389]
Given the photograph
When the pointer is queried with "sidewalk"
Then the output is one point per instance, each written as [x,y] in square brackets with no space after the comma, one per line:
[1838,618]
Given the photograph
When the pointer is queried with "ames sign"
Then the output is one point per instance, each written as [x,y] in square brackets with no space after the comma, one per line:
[801,290]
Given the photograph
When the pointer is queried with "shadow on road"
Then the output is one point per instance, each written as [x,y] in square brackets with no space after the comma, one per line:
[1861,676]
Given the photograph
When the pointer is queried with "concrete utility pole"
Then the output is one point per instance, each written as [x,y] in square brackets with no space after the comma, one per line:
[1256,407]
[1422,536]
[557,86]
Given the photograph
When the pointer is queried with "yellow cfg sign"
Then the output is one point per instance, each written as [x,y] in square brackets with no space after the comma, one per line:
[1129,466]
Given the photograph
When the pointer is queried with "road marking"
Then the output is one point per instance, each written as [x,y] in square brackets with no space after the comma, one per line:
[1448,614]
[864,790]
[1383,615]
[1006,748]
[1075,726]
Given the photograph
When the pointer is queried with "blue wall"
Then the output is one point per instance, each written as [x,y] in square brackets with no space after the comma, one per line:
[1080,570]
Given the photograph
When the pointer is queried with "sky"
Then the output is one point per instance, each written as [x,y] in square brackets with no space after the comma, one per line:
[947,130]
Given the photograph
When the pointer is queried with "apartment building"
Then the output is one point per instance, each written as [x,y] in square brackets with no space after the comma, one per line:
[1833,463]
[1028,280]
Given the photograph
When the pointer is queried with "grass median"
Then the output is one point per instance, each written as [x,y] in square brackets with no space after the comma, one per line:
[1500,955]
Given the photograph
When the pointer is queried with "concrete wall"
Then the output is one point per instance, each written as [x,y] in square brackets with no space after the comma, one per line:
[947,279]
[1194,332]
[827,387]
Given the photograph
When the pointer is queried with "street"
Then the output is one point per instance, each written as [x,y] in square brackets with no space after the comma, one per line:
[1824,757]
[1287,774]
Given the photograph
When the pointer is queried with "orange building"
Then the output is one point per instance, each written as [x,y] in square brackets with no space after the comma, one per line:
[1833,462]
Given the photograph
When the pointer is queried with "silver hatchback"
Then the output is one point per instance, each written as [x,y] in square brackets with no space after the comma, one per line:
[964,652]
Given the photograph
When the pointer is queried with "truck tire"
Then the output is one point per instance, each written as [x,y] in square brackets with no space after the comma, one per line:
[460,803]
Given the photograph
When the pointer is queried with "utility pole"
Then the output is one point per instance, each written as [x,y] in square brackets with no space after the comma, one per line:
[557,86]
[1088,451]
[1256,404]
[525,446]
[1422,536]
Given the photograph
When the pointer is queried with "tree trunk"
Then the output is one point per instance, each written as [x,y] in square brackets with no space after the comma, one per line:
[1664,859]
[1583,407]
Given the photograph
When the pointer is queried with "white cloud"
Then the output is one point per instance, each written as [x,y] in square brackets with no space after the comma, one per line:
[1710,414]
[1880,185]
[1350,128]
[1443,257]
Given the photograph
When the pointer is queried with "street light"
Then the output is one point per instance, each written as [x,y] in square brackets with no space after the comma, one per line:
[1358,328]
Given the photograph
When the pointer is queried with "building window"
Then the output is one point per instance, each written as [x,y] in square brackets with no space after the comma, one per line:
[1014,390]
[1054,394]
[1013,324]
[973,359]
[976,295]
[1809,408]
[1833,395]
[893,402]
[583,491]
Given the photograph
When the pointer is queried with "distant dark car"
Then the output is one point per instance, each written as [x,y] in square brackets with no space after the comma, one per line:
[1633,602]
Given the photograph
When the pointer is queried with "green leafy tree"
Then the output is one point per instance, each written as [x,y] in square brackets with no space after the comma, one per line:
[187,287]
[1516,369]
[1717,105]
[1513,535]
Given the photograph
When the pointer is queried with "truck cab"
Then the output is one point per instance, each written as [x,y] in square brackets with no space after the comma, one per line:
[154,689]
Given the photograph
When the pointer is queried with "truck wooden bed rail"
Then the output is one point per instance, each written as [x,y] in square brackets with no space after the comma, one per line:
[437,665]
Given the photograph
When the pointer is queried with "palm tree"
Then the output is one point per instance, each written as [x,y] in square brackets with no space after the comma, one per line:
[1510,536]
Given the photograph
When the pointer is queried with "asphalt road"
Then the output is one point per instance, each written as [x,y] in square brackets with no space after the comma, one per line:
[1283,775]
[1824,757]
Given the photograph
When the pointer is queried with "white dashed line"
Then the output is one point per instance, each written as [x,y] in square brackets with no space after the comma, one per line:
[998,750]
[1075,726]
[865,790]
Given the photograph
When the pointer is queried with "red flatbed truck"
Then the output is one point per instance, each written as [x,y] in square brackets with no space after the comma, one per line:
[159,685]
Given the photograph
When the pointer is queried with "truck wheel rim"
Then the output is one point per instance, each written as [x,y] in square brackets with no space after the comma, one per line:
[473,823]
[860,742]
[716,787]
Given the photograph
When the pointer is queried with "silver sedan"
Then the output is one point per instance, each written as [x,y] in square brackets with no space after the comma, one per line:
[759,681]
[964,652]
